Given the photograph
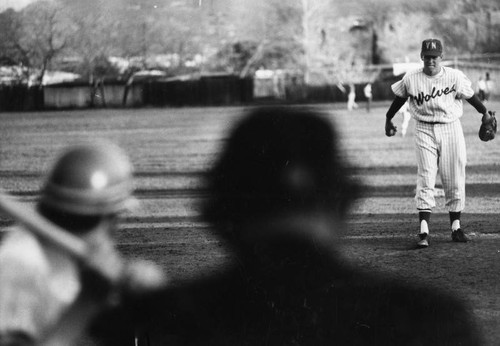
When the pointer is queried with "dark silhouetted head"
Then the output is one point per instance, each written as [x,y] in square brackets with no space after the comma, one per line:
[279,161]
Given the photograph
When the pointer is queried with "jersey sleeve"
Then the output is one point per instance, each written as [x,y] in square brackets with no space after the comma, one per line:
[21,285]
[399,88]
[465,90]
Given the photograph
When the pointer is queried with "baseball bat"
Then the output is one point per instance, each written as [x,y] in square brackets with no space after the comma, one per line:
[141,275]
[42,227]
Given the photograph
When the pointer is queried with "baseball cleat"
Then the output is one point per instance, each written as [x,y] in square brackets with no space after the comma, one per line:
[423,241]
[459,236]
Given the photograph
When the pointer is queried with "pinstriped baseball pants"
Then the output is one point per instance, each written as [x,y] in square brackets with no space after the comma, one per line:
[440,149]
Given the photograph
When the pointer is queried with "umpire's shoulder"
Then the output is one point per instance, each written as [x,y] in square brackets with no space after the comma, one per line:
[445,317]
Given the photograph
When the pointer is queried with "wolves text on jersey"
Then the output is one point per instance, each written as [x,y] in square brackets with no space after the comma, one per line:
[421,97]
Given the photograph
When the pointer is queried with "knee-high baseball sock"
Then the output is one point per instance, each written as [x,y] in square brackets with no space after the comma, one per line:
[455,220]
[424,216]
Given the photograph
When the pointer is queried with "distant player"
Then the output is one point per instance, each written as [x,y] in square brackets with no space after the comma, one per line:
[406,119]
[351,98]
[435,95]
[490,86]
[481,89]
[367,90]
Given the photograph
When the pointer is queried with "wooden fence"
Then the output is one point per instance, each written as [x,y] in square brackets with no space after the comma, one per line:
[209,90]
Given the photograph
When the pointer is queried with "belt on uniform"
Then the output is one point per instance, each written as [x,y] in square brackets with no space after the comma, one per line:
[431,122]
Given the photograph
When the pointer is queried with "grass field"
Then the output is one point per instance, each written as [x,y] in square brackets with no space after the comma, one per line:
[171,149]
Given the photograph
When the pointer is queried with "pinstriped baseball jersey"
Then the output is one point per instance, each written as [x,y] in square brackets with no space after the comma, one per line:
[435,98]
[436,103]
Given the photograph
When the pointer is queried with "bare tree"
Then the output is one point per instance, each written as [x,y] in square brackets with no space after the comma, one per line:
[12,53]
[10,32]
[94,37]
[43,35]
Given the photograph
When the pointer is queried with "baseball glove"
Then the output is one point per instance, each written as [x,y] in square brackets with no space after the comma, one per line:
[488,128]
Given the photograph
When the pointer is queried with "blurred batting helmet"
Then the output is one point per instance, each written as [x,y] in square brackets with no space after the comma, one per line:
[90,179]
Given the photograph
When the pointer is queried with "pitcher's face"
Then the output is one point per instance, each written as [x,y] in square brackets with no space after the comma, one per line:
[432,64]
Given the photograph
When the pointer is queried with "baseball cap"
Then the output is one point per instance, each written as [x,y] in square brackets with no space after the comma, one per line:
[432,47]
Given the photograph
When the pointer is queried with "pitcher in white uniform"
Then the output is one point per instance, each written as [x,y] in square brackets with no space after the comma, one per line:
[435,95]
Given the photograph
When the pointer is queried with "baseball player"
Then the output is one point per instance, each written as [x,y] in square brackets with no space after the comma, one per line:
[279,201]
[435,93]
[367,90]
[481,89]
[351,98]
[406,118]
[85,192]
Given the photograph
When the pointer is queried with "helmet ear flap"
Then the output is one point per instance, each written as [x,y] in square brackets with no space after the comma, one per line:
[90,179]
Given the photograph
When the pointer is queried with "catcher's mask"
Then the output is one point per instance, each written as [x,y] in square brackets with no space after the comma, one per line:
[89,180]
